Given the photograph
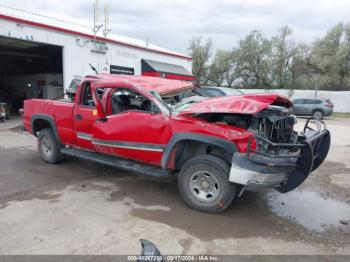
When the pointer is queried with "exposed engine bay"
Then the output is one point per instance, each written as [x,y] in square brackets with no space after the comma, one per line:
[275,123]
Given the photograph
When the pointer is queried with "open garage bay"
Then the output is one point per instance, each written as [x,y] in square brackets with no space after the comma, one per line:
[29,70]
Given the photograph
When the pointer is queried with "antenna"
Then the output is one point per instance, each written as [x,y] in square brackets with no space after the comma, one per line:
[97,26]
[93,68]
[95,12]
[106,30]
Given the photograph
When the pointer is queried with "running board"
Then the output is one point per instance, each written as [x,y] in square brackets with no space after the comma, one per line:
[116,162]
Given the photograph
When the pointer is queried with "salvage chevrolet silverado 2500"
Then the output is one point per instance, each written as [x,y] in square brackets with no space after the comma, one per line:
[216,148]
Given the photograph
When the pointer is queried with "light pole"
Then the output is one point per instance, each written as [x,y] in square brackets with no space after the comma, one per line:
[316,86]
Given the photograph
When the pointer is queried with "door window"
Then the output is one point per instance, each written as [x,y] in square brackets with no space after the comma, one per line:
[312,101]
[298,101]
[123,100]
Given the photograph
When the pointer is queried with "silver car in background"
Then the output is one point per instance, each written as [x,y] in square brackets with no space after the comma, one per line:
[221,91]
[317,108]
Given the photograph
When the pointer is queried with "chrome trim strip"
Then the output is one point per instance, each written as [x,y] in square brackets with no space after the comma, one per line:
[84,136]
[129,145]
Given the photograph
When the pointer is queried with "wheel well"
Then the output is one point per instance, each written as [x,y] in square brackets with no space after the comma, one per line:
[186,150]
[317,109]
[40,124]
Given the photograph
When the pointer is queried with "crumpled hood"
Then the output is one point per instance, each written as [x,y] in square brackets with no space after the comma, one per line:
[242,104]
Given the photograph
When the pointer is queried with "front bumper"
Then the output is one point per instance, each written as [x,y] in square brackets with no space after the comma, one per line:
[253,180]
[257,171]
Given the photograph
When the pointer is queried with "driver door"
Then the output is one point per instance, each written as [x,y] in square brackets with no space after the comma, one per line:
[134,127]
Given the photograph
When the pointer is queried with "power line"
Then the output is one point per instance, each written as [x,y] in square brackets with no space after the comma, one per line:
[50,17]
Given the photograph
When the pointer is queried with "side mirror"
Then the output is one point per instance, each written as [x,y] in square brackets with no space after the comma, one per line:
[150,249]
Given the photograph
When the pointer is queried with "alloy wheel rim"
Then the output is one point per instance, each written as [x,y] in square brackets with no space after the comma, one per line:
[318,115]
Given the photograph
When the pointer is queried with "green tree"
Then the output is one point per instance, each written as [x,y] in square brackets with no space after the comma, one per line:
[253,60]
[231,75]
[283,51]
[219,67]
[300,73]
[259,62]
[200,52]
[330,58]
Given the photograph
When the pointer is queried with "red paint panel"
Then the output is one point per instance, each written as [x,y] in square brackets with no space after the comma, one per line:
[180,77]
[161,85]
[170,76]
[154,74]
[135,127]
[237,135]
[64,121]
[243,104]
[84,125]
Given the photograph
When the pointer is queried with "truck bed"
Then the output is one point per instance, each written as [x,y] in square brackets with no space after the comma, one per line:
[59,111]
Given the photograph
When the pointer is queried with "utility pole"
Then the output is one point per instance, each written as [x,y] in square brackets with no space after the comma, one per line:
[316,87]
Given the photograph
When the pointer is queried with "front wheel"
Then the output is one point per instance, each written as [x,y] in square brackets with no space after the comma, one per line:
[204,184]
[48,146]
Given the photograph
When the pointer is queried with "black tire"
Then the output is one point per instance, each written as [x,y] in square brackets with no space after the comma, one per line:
[317,114]
[48,146]
[218,170]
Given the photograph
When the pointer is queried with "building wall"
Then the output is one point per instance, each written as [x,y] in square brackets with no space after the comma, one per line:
[77,51]
[340,99]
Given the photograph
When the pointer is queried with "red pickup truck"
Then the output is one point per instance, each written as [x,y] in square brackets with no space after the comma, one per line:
[216,148]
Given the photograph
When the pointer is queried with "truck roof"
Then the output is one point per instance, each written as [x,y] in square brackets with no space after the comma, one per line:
[161,85]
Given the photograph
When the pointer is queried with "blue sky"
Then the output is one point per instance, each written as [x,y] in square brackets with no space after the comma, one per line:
[172,24]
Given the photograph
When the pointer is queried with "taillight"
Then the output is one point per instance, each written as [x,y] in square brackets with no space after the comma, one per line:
[329,104]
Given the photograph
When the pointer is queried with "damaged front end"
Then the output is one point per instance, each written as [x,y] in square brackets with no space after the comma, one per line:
[277,156]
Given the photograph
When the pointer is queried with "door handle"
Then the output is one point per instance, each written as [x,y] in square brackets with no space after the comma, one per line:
[78,117]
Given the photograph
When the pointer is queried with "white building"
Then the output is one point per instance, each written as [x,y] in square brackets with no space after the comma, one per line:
[39,56]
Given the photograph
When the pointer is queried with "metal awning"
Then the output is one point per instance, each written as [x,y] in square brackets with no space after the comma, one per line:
[149,66]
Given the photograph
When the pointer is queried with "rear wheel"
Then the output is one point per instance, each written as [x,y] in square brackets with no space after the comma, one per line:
[318,114]
[48,146]
[203,184]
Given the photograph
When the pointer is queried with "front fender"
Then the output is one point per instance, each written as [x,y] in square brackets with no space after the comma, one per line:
[226,145]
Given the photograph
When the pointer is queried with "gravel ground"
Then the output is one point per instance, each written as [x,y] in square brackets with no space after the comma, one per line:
[83,208]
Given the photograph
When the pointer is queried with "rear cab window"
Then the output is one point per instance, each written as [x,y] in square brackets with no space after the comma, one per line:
[86,96]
